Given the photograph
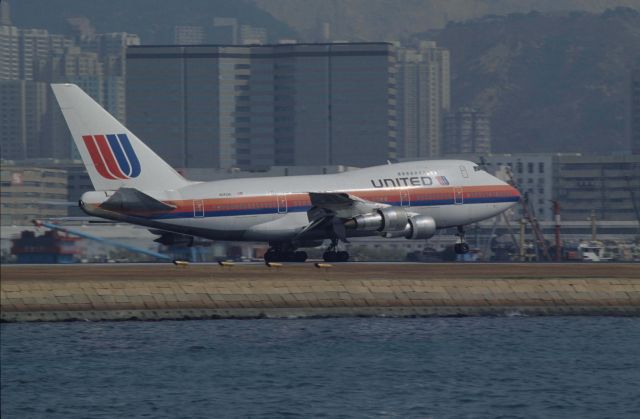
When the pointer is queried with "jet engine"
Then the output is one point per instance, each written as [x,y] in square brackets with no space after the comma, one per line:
[422,227]
[394,222]
[385,220]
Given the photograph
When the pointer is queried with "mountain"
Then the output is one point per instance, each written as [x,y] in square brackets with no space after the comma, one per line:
[153,20]
[552,82]
[390,20]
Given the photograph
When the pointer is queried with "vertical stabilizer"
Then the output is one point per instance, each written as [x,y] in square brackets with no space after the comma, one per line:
[113,156]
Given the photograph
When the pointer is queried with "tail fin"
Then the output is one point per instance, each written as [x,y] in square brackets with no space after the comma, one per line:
[113,156]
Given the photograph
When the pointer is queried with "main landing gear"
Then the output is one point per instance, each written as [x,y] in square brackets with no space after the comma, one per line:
[284,252]
[332,255]
[462,247]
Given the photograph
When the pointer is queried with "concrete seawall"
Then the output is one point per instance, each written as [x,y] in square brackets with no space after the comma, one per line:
[162,291]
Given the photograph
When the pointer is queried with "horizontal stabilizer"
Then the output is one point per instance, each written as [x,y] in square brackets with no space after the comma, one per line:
[131,200]
[58,203]
[74,220]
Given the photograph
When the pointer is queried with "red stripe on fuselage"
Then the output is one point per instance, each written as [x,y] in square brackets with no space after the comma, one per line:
[96,157]
[108,156]
[378,195]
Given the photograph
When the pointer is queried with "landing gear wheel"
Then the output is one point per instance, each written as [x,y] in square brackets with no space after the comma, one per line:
[299,256]
[461,248]
[280,253]
[333,256]
[271,256]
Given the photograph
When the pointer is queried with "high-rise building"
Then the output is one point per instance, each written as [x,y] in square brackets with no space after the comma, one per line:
[13,144]
[424,96]
[606,185]
[84,69]
[634,116]
[251,35]
[78,181]
[466,130]
[9,45]
[253,107]
[25,190]
[23,123]
[9,52]
[188,35]
[5,13]
[224,31]
[111,49]
[37,48]
[31,123]
[533,175]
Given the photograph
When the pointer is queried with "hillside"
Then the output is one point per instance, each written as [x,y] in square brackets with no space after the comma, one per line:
[390,20]
[551,82]
[153,20]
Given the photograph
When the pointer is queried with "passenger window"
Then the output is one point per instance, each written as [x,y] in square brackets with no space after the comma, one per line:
[463,170]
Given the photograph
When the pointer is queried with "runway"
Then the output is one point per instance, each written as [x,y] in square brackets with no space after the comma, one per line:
[159,291]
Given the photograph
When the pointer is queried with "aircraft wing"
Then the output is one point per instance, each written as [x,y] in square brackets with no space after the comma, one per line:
[341,205]
[330,209]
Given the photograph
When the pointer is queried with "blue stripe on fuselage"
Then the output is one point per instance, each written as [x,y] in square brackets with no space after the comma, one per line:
[304,208]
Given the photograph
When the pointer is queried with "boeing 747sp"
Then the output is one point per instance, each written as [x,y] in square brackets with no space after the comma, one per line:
[412,200]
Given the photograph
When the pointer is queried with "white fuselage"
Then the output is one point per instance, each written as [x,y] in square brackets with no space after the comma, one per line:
[452,192]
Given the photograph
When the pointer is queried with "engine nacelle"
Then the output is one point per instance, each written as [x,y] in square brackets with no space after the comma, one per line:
[395,222]
[384,220]
[421,227]
[395,219]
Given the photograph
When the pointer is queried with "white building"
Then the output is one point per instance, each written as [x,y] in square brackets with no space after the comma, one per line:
[467,130]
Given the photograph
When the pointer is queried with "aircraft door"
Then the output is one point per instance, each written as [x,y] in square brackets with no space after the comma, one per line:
[282,203]
[457,195]
[198,208]
[405,198]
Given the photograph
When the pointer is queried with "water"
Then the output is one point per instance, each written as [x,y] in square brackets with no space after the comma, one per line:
[569,367]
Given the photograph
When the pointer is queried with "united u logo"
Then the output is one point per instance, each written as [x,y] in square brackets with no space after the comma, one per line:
[113,156]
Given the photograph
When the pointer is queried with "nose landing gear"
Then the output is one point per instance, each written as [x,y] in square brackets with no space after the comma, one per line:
[462,247]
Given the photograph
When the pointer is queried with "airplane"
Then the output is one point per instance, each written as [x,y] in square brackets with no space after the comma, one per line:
[410,199]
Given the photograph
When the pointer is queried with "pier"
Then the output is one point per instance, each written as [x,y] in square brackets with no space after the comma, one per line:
[163,291]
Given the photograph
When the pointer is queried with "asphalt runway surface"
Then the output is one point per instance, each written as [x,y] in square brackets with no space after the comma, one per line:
[353,270]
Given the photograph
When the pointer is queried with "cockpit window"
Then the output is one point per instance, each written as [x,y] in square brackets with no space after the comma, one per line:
[476,168]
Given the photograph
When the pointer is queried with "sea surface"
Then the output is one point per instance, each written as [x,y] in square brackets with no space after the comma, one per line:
[476,367]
